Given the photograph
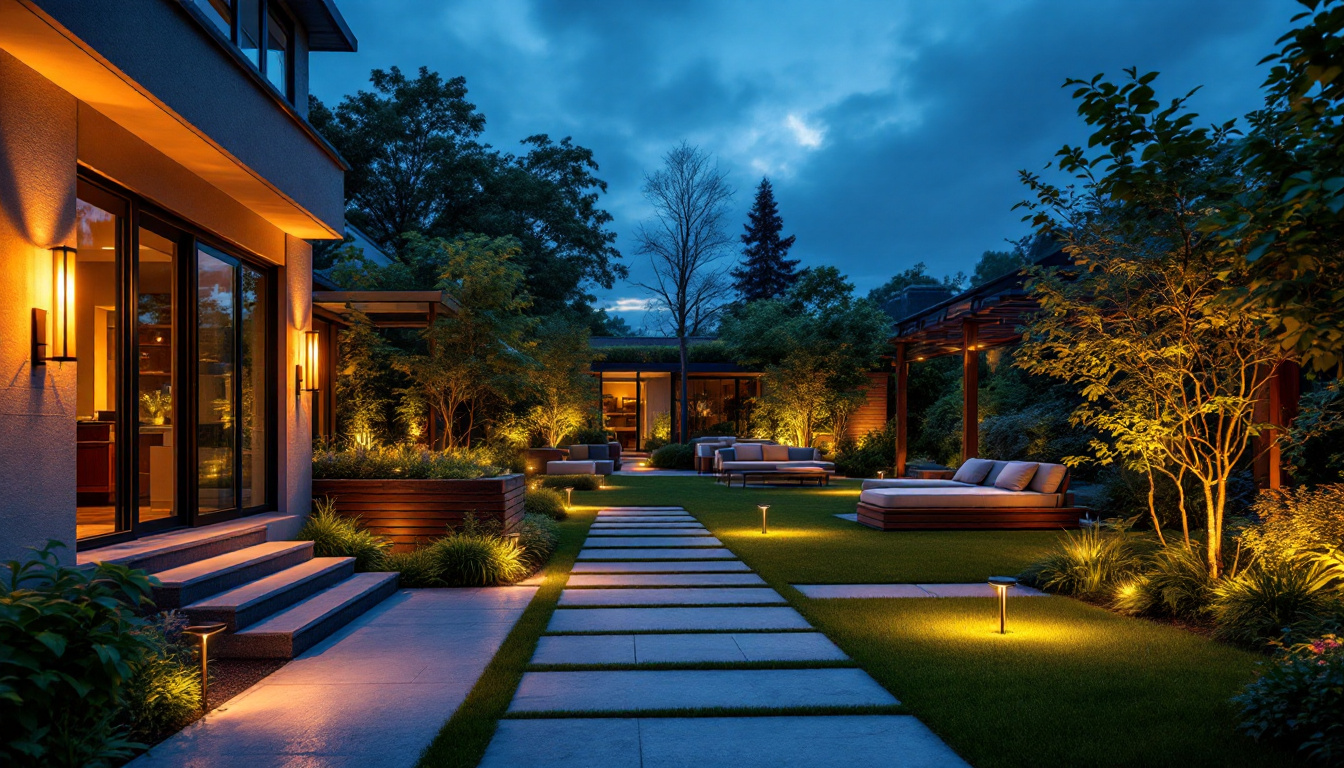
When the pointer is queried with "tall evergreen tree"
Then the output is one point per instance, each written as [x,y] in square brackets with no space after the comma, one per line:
[765,272]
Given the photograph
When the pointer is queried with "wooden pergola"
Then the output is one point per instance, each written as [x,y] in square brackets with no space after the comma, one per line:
[389,309]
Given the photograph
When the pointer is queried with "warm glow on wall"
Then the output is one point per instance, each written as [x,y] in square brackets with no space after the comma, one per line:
[61,345]
[312,348]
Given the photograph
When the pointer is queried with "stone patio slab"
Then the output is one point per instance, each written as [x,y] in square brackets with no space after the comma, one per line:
[978,590]
[652,541]
[704,566]
[852,517]
[705,553]
[585,649]
[604,531]
[636,690]
[664,580]
[660,519]
[599,525]
[673,619]
[842,741]
[787,646]
[826,591]
[670,596]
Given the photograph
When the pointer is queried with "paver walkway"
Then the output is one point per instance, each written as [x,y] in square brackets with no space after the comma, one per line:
[370,696]
[675,597]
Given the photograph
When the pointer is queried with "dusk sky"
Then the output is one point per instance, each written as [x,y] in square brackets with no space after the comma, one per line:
[892,131]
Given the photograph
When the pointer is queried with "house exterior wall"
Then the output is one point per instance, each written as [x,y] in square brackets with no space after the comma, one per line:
[873,413]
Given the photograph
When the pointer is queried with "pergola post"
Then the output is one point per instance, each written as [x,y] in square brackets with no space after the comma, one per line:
[902,406]
[1277,406]
[970,384]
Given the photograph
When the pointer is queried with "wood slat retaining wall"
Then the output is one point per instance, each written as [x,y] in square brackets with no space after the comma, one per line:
[411,512]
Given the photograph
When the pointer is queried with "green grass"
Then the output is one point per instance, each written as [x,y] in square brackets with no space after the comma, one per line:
[1070,685]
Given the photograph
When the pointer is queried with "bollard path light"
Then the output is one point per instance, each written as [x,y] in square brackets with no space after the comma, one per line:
[204,631]
[569,496]
[881,474]
[764,509]
[1001,585]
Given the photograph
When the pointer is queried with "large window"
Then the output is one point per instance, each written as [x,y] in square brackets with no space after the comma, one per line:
[261,32]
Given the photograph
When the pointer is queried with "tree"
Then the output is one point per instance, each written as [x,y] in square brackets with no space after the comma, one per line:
[561,381]
[417,165]
[816,344]
[477,358]
[996,264]
[684,242]
[766,272]
[1169,372]
[916,275]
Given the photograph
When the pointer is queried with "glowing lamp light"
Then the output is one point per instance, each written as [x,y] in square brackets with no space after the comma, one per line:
[881,474]
[1001,585]
[60,346]
[204,631]
[310,373]
[569,496]
[765,508]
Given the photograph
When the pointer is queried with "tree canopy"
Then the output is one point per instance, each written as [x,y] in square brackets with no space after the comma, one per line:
[765,271]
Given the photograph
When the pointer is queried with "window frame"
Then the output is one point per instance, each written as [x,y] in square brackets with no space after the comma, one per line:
[267,10]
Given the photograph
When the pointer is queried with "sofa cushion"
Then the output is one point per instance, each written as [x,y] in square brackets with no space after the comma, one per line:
[758,466]
[1016,476]
[993,473]
[571,468]
[775,453]
[1047,478]
[749,452]
[578,453]
[802,454]
[973,471]
[972,497]
[599,453]
[826,465]
[913,482]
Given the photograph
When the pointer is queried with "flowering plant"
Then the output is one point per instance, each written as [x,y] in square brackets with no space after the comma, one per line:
[1299,698]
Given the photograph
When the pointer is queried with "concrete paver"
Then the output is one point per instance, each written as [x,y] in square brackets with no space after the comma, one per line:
[674,619]
[671,596]
[706,553]
[595,542]
[664,580]
[722,566]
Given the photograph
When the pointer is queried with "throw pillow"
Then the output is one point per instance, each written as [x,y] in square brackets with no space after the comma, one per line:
[1048,477]
[973,471]
[1016,476]
[748,452]
[775,452]
[578,453]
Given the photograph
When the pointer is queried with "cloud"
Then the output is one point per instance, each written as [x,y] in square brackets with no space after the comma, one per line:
[804,134]
[629,305]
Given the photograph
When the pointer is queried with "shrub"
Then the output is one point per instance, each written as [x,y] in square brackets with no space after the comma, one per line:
[1039,432]
[1299,699]
[1296,520]
[68,644]
[1175,582]
[1276,596]
[418,568]
[674,456]
[164,694]
[577,482]
[1088,564]
[545,502]
[538,535]
[336,536]
[477,560]
[874,451]
[1125,494]
[591,436]
[406,462]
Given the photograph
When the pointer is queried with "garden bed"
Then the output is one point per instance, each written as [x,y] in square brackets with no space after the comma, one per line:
[410,512]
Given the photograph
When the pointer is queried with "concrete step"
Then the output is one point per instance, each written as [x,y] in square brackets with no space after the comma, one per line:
[301,626]
[174,550]
[244,606]
[187,584]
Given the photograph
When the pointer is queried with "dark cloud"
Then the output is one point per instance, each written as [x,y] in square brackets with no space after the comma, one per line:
[893,131]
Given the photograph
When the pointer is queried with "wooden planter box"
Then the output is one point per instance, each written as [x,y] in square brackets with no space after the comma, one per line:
[411,512]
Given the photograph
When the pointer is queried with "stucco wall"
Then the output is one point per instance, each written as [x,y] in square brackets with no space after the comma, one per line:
[37,404]
[296,468]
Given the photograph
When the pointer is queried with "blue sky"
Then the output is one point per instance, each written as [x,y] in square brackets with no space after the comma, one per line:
[892,131]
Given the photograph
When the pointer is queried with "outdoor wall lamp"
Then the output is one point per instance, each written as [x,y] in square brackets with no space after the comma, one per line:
[764,509]
[312,346]
[60,346]
[1001,585]
[204,631]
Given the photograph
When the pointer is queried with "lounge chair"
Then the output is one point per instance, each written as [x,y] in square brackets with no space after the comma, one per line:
[983,494]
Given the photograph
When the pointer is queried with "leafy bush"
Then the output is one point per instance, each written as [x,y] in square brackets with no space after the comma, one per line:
[1272,597]
[873,452]
[538,535]
[591,436]
[674,456]
[402,462]
[1125,494]
[336,536]
[68,645]
[577,482]
[478,556]
[546,502]
[1296,520]
[1038,432]
[1175,582]
[164,694]
[1091,563]
[1299,699]
[419,568]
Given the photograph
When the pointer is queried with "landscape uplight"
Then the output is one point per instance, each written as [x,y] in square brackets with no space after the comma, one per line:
[204,631]
[764,509]
[1001,585]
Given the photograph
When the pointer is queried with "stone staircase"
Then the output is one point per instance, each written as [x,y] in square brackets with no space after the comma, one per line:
[275,597]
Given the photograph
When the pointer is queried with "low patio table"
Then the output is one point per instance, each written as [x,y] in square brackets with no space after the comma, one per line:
[820,476]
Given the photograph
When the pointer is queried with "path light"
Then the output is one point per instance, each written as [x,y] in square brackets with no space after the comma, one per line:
[569,496]
[881,474]
[764,509]
[1001,585]
[204,631]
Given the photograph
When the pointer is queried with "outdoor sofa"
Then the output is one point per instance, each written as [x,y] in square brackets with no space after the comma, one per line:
[705,447]
[593,459]
[983,494]
[753,458]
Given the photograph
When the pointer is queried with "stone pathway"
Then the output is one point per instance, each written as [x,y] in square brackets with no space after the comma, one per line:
[373,695]
[653,587]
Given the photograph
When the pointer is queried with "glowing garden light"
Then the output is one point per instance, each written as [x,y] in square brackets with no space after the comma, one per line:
[1001,585]
[569,496]
[765,508]
[204,631]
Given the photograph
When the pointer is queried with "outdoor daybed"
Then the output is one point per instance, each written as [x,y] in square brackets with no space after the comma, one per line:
[983,494]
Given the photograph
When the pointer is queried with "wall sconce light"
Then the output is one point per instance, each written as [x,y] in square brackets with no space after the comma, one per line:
[204,631]
[312,350]
[60,346]
[1001,585]
[764,509]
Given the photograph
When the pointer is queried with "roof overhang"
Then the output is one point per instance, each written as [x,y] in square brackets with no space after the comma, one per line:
[388,309]
[41,43]
[327,30]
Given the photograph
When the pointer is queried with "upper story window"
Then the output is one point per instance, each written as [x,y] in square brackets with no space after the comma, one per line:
[262,33]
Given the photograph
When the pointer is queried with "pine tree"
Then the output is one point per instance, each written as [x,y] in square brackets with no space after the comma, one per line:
[765,272]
